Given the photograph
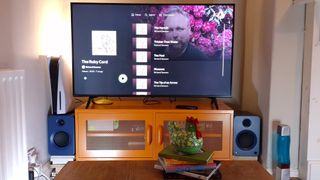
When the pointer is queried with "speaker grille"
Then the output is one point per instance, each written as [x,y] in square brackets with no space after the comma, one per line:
[61,139]
[246,140]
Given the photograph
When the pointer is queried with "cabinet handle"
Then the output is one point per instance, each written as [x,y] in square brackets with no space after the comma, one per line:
[160,134]
[149,134]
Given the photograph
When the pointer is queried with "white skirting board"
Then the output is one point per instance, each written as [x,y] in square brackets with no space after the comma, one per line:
[293,172]
[313,170]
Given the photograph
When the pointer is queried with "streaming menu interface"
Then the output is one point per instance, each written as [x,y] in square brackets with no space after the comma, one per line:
[145,50]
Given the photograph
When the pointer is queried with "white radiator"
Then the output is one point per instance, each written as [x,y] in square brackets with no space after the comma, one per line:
[13,149]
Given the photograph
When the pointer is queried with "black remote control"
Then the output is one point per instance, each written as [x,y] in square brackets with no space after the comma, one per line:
[186,107]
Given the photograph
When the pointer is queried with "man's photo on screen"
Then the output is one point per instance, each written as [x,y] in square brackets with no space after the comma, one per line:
[179,34]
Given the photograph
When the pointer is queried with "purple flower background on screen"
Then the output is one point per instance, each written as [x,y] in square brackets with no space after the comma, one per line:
[211,26]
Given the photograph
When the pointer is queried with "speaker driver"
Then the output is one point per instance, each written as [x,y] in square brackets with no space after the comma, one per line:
[246,140]
[246,123]
[61,139]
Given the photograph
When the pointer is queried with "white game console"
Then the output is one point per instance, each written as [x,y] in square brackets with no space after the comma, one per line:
[60,86]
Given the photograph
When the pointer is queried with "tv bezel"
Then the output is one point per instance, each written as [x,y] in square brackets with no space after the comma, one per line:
[155,3]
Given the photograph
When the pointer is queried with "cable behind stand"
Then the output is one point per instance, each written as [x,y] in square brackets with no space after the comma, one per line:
[149,101]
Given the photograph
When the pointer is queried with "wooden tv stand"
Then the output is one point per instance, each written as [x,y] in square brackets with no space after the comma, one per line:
[131,130]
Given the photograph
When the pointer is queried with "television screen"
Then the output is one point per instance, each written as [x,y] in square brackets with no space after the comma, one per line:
[152,49]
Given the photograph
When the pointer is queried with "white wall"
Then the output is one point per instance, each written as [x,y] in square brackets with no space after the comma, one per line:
[314,104]
[309,165]
[23,43]
[273,69]
[5,36]
[257,66]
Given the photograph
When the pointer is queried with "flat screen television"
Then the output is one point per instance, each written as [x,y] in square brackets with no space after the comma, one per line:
[152,49]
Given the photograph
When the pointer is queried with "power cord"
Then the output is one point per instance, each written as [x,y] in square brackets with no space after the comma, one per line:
[78,100]
[39,174]
[172,99]
[148,101]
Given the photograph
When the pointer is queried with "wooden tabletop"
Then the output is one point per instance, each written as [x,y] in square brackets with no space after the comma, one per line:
[138,170]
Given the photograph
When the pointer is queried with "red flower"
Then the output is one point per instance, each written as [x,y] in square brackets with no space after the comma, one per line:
[199,11]
[196,35]
[198,24]
[187,8]
[208,26]
[204,42]
[191,20]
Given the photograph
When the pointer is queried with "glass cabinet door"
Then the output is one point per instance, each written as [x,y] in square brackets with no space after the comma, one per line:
[215,129]
[115,135]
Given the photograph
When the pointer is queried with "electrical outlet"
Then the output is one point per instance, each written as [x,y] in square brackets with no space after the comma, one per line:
[33,158]
[32,155]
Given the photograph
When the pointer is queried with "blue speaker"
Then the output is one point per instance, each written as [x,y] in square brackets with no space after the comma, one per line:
[246,135]
[61,134]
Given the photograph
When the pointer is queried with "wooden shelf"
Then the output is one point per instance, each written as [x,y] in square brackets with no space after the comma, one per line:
[204,135]
[114,134]
[217,128]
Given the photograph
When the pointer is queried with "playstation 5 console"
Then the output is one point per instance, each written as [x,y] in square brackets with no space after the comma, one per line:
[60,86]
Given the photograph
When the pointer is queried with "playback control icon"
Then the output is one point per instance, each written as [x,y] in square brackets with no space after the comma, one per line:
[123,78]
